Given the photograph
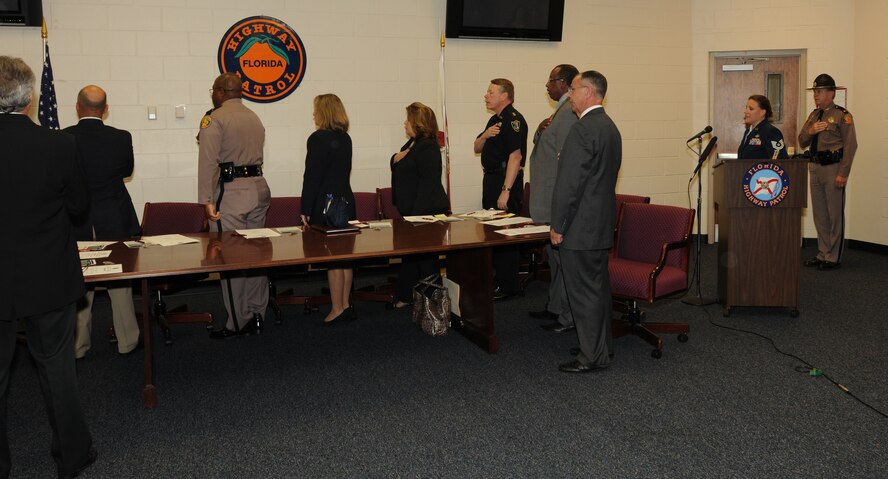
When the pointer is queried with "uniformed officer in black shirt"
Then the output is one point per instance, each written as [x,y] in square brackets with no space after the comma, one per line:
[761,140]
[503,148]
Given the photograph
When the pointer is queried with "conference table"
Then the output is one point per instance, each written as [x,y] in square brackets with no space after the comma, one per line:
[466,245]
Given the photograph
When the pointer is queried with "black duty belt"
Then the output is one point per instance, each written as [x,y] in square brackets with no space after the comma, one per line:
[827,157]
[229,171]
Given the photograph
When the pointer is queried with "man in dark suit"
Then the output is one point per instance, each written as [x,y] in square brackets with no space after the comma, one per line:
[583,213]
[107,159]
[41,279]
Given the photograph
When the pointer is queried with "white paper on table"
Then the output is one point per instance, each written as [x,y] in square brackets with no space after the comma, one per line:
[95,254]
[482,213]
[420,219]
[380,224]
[358,224]
[448,219]
[102,269]
[168,240]
[93,245]
[254,233]
[288,230]
[527,230]
[514,220]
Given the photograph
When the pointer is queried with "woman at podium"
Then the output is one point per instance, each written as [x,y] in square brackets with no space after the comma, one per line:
[761,140]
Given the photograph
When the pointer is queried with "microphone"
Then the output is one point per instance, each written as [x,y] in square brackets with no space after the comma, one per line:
[698,135]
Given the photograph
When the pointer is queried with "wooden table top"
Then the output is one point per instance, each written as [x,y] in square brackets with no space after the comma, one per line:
[228,251]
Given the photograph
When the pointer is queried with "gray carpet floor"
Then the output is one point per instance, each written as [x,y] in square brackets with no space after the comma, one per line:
[378,398]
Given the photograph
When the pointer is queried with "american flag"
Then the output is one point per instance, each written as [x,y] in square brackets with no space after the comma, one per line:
[48,113]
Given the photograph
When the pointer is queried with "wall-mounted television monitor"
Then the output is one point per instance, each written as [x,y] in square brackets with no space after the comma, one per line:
[505,19]
[25,13]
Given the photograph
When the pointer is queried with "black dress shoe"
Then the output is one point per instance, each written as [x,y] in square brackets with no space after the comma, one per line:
[828,265]
[91,457]
[347,315]
[222,333]
[578,367]
[500,295]
[815,261]
[544,314]
[557,327]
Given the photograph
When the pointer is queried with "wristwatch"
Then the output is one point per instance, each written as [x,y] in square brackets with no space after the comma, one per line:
[506,188]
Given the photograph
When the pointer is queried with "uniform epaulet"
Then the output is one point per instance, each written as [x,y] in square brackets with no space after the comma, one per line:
[841,109]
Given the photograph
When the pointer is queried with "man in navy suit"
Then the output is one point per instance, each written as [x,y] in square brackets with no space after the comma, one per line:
[583,210]
[107,159]
[41,279]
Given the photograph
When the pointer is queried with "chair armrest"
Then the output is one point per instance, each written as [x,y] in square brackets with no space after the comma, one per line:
[658,267]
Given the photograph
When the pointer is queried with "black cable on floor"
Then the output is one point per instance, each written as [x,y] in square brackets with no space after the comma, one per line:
[811,370]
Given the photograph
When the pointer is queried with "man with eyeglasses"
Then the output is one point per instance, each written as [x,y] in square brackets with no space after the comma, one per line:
[236,196]
[548,140]
[583,216]
[503,148]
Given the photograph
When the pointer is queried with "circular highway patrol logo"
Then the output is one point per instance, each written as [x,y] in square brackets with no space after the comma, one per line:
[765,184]
[267,55]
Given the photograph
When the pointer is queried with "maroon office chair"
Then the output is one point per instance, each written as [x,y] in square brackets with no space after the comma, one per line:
[623,199]
[387,208]
[649,261]
[175,218]
[287,211]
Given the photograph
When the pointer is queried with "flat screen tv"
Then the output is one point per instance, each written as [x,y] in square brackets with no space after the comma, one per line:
[505,19]
[25,13]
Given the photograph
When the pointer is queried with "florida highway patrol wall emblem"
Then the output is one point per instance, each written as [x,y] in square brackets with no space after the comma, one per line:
[266,54]
[765,184]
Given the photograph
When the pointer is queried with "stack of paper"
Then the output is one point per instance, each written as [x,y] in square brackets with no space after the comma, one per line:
[514,220]
[258,233]
[483,214]
[168,240]
[527,230]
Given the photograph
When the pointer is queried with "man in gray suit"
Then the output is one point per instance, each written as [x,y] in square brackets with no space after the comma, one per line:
[583,213]
[548,141]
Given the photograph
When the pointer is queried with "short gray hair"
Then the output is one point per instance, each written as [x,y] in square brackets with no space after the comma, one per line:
[16,84]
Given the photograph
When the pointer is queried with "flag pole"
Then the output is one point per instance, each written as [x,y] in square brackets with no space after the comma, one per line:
[444,121]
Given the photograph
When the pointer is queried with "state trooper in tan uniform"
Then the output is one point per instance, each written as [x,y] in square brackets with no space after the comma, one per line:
[236,196]
[829,131]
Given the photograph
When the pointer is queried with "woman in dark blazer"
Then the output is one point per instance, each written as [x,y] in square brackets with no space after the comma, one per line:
[761,140]
[328,164]
[417,190]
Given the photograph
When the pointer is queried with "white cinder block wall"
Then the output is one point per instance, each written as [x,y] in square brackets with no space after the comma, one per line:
[380,56]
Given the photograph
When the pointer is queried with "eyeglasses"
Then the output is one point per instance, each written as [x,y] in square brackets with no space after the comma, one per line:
[571,88]
[554,80]
[212,90]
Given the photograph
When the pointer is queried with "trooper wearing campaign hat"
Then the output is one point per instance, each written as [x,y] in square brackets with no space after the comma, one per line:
[829,134]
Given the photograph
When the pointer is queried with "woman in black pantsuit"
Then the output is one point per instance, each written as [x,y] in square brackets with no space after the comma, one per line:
[417,190]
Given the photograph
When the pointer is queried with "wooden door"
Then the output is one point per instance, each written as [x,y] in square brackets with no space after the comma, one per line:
[773,74]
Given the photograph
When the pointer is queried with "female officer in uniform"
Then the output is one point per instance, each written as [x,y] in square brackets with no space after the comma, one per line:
[761,140]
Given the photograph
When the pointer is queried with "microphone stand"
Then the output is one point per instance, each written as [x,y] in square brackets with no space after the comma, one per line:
[699,300]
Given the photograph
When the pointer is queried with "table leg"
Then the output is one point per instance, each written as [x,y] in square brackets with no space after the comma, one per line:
[472,270]
[149,393]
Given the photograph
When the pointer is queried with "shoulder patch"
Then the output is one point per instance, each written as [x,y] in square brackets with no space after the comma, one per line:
[205,121]
[516,125]
[848,119]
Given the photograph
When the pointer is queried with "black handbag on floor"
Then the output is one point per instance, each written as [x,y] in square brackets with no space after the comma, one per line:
[431,306]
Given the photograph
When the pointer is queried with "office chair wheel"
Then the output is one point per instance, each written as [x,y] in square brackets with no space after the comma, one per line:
[167,337]
[726,312]
[657,353]
[209,326]
[793,313]
[682,338]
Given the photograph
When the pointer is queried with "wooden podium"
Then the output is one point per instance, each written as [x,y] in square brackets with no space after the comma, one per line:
[759,240]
